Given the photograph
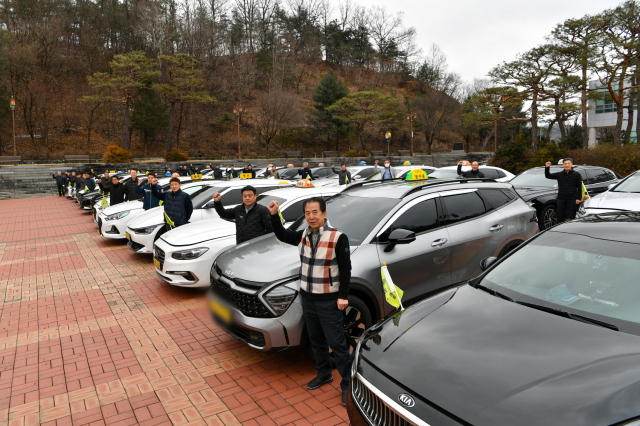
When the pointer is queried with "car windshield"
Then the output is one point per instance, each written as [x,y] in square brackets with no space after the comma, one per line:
[288,173]
[443,174]
[202,195]
[631,184]
[342,213]
[264,200]
[591,277]
[534,177]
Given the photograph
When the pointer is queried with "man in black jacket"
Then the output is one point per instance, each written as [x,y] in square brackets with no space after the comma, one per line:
[305,171]
[249,170]
[115,190]
[252,220]
[177,204]
[60,180]
[232,173]
[217,172]
[88,182]
[325,275]
[344,175]
[471,174]
[569,189]
[130,187]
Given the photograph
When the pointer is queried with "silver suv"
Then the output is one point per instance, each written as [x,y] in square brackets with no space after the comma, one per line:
[431,234]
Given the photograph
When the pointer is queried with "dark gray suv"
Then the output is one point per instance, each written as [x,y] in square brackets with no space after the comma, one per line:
[431,234]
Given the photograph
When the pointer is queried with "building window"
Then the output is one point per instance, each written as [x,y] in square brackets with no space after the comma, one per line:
[607,104]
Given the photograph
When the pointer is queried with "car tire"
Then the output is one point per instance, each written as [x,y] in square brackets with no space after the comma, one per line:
[548,218]
[356,319]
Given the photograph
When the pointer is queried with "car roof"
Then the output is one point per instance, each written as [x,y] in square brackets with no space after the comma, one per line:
[575,166]
[402,188]
[606,226]
[294,192]
[242,182]
[456,167]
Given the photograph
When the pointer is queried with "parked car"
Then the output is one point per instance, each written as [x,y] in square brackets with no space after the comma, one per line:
[451,172]
[145,229]
[622,196]
[549,335]
[540,192]
[184,256]
[431,234]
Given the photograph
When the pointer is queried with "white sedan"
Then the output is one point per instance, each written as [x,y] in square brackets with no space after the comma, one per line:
[145,229]
[451,172]
[184,256]
[621,197]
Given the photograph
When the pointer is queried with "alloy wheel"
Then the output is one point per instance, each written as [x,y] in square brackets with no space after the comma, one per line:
[550,218]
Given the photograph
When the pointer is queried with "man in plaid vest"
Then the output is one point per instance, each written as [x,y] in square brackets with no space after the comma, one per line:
[325,273]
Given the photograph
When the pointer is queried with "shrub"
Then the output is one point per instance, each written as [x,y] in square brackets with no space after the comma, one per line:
[621,159]
[115,154]
[547,152]
[513,156]
[354,153]
[176,155]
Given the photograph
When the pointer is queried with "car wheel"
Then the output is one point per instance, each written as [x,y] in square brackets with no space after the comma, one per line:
[549,217]
[356,319]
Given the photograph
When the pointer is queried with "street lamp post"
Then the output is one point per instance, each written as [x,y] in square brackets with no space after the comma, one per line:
[237,110]
[411,117]
[13,124]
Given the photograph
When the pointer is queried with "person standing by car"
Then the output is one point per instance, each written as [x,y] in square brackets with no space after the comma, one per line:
[60,179]
[232,173]
[217,172]
[88,182]
[144,188]
[569,189]
[130,187]
[305,171]
[252,220]
[249,170]
[115,190]
[388,172]
[177,204]
[273,172]
[474,173]
[325,274]
[344,176]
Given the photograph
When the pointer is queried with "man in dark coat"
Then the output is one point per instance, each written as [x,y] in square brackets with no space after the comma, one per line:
[569,189]
[252,219]
[177,204]
[249,170]
[130,187]
[60,180]
[474,173]
[217,172]
[115,190]
[344,175]
[232,173]
[144,188]
[305,171]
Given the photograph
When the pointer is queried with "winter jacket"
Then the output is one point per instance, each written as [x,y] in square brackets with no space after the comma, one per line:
[381,170]
[249,225]
[217,173]
[305,172]
[89,184]
[325,256]
[251,172]
[130,190]
[344,177]
[470,174]
[232,174]
[116,193]
[148,200]
[273,174]
[60,180]
[177,205]
[569,184]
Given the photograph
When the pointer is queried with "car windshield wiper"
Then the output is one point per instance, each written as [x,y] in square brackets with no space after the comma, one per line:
[493,292]
[569,315]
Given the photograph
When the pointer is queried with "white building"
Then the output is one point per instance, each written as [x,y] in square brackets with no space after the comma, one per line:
[601,116]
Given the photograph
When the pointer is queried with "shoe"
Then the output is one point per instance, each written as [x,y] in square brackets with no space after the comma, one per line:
[317,382]
[344,397]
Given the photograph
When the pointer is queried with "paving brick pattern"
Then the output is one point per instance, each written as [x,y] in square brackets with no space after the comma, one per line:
[90,336]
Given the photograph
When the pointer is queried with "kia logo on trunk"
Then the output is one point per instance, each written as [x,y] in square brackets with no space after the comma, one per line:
[406,400]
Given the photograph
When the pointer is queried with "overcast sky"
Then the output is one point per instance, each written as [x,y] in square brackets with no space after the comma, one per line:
[476,35]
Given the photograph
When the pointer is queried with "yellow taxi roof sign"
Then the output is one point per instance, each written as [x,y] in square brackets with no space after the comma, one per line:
[283,182]
[304,183]
[244,175]
[416,174]
[406,163]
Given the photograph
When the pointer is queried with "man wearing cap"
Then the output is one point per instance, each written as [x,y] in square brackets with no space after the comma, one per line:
[474,173]
[305,171]
[344,175]
[388,172]
[252,219]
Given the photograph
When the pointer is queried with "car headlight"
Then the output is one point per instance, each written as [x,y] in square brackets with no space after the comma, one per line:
[147,230]
[116,216]
[279,298]
[189,254]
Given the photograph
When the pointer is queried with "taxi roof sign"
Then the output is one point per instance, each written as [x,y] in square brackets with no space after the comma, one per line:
[304,183]
[245,176]
[416,174]
[466,163]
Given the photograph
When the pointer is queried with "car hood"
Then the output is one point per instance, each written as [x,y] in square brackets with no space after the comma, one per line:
[150,217]
[263,259]
[489,361]
[614,201]
[129,205]
[204,230]
[529,193]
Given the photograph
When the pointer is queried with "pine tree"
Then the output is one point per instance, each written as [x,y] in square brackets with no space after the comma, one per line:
[149,115]
[330,90]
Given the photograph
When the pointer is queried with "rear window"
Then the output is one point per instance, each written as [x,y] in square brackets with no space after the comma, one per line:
[490,173]
[463,207]
[496,197]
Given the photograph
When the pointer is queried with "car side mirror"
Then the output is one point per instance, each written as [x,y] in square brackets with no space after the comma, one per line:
[487,262]
[399,236]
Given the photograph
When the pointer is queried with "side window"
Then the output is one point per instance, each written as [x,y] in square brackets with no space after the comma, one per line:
[365,173]
[463,206]
[586,179]
[509,194]
[612,176]
[501,173]
[490,173]
[598,176]
[293,212]
[496,197]
[232,198]
[420,218]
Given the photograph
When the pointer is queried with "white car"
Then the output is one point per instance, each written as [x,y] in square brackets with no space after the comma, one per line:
[145,229]
[112,221]
[184,256]
[623,196]
[451,172]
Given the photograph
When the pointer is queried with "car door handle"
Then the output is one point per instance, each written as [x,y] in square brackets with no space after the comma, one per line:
[438,243]
[496,227]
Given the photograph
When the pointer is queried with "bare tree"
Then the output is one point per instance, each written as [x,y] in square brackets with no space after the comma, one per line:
[437,112]
[276,111]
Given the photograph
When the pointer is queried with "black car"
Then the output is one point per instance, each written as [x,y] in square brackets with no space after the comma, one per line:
[548,335]
[540,192]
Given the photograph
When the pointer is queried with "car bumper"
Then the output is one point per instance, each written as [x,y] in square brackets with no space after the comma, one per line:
[142,243]
[114,229]
[265,334]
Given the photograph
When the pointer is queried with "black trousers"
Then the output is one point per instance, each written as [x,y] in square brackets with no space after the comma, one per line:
[324,325]
[566,209]
[60,190]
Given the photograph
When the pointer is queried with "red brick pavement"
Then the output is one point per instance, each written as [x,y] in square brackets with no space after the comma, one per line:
[90,336]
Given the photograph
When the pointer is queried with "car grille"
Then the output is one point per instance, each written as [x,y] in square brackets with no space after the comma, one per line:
[135,246]
[376,411]
[253,337]
[248,304]
[158,253]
